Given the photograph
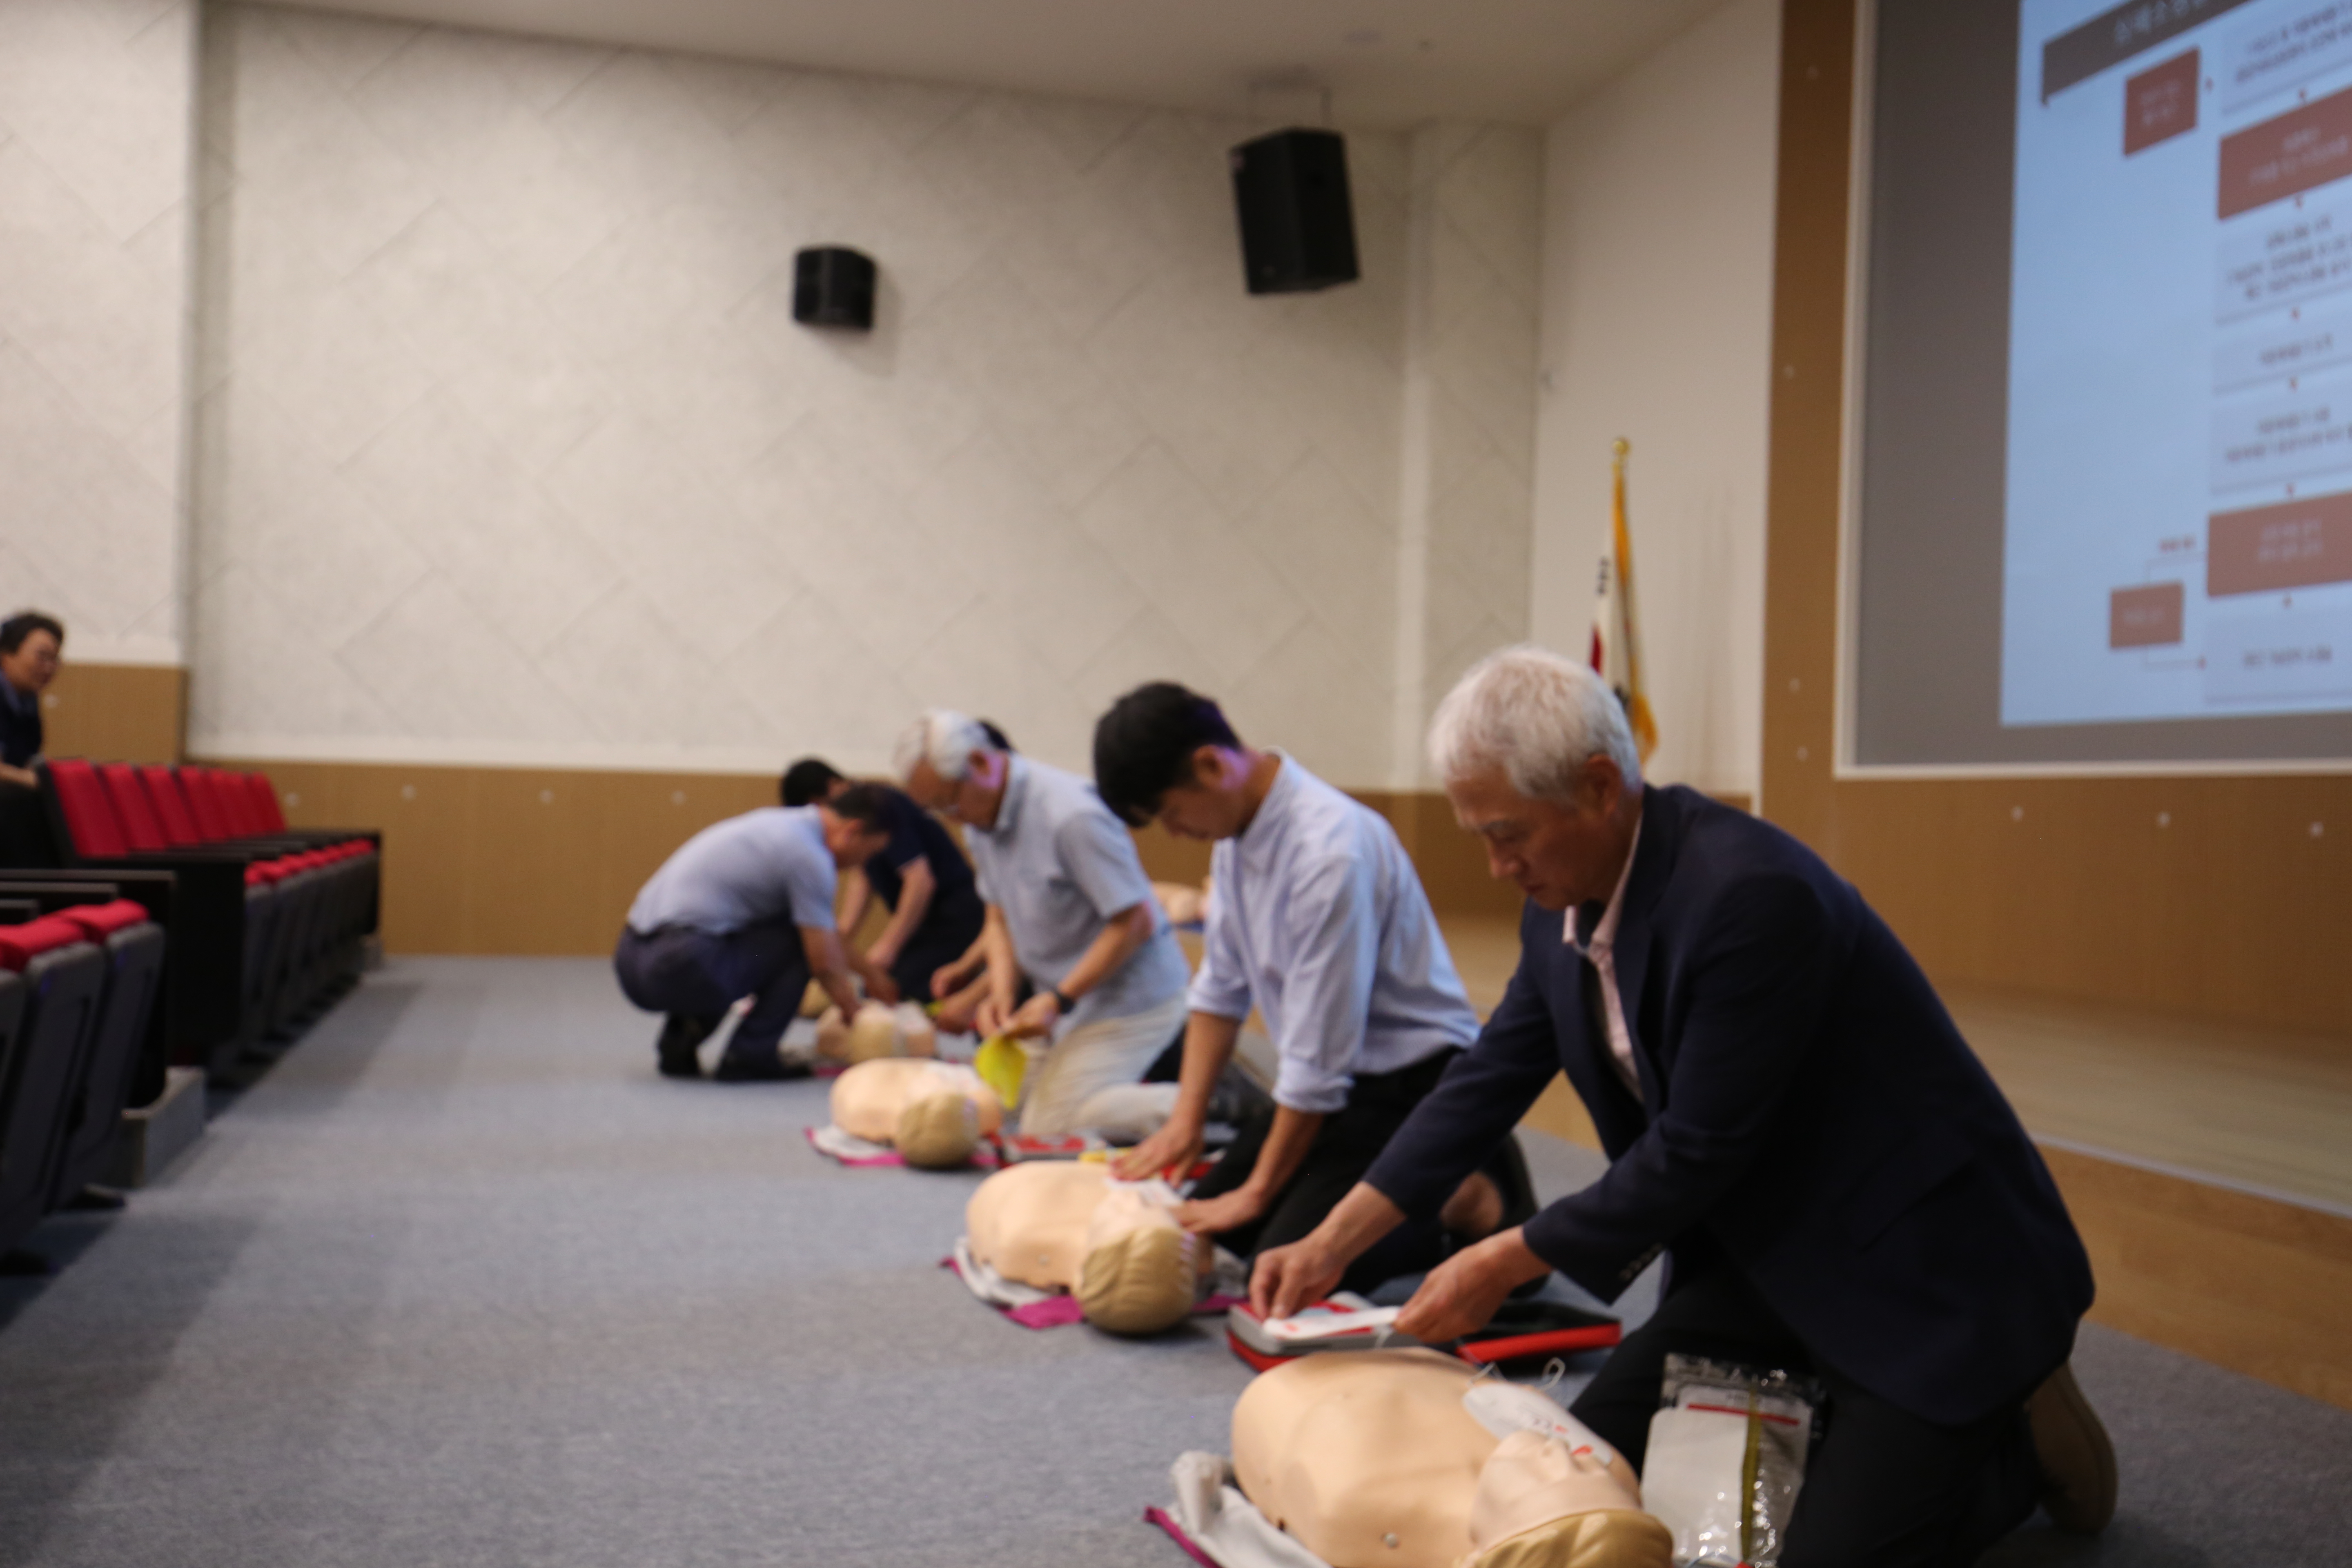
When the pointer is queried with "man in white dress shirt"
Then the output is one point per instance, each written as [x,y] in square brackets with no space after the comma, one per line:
[1067,905]
[1317,919]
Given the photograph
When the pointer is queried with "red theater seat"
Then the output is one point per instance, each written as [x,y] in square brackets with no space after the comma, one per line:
[132,809]
[266,803]
[64,976]
[204,805]
[171,806]
[96,1099]
[89,815]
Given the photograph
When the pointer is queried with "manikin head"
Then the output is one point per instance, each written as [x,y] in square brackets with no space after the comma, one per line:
[950,763]
[1541,1505]
[1166,754]
[1538,760]
[856,823]
[29,645]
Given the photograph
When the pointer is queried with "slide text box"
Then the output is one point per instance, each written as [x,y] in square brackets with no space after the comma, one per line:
[2277,350]
[2304,148]
[2160,103]
[2145,615]
[2281,439]
[2273,55]
[2294,544]
[2291,255]
[2289,654]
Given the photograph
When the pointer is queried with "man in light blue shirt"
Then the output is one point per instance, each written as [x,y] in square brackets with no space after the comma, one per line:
[1317,918]
[1069,906]
[744,908]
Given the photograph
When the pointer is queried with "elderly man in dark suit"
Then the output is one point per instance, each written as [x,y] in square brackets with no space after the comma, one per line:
[1790,1115]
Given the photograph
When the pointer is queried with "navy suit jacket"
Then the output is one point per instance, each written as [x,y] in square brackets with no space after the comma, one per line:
[1808,1111]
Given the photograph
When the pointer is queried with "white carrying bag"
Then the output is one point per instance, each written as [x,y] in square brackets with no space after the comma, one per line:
[1726,1458]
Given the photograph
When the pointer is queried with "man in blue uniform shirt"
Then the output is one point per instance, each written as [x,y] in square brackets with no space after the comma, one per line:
[29,643]
[1318,920]
[743,908]
[1789,1113]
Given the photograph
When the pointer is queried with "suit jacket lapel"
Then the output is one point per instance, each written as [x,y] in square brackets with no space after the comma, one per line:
[1653,862]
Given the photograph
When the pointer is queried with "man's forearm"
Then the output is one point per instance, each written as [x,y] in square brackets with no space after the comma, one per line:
[914,899]
[1208,1047]
[1285,1149]
[1113,945]
[826,963]
[1355,1222]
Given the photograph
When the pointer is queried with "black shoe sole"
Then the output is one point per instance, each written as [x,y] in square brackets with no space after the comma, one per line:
[732,1071]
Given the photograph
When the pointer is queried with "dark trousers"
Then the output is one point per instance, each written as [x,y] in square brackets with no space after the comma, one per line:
[1344,1148]
[699,973]
[1881,1486]
[945,935]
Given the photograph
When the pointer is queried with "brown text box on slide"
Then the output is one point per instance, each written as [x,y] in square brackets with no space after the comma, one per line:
[2160,103]
[2148,616]
[2303,148]
[2293,544]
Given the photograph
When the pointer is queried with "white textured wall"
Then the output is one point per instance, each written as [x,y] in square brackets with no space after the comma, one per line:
[1657,327]
[94,168]
[1474,245]
[509,449]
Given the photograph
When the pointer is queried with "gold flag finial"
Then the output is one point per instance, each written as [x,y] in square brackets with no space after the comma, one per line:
[1622,447]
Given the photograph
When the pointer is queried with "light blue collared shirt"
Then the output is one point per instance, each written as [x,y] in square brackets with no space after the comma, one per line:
[761,865]
[1059,865]
[1316,916]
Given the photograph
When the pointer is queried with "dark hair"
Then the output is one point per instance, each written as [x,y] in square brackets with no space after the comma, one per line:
[863,804]
[24,624]
[995,736]
[810,779]
[1144,746]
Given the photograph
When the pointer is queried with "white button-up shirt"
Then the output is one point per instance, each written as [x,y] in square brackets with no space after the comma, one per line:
[1315,915]
[1602,951]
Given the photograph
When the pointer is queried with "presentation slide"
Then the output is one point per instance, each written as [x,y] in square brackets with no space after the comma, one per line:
[2177,522]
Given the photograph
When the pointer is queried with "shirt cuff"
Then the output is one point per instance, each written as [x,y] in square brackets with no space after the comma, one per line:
[1310,1090]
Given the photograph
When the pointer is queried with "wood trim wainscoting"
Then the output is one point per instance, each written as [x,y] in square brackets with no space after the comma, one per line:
[2222,897]
[544,860]
[116,712]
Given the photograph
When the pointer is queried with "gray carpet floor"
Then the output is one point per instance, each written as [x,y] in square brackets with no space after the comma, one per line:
[461,1281]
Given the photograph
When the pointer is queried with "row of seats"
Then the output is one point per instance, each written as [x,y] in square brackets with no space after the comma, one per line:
[282,937]
[77,990]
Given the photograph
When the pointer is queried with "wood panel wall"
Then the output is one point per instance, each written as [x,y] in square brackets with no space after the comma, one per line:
[521,861]
[2224,897]
[116,712]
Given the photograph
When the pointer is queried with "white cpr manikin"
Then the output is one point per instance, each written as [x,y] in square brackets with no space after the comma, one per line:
[878,1031]
[933,1112]
[1065,1225]
[1369,1459]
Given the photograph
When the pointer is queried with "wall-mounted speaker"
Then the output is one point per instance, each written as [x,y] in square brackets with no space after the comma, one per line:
[832,286]
[1298,228]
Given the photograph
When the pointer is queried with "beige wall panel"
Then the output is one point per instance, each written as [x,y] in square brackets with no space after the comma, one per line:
[116,712]
[2253,1285]
[2225,897]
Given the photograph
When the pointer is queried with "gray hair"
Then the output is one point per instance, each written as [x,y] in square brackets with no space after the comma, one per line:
[1536,716]
[943,738]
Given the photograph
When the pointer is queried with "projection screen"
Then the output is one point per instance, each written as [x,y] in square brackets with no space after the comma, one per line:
[2100,507]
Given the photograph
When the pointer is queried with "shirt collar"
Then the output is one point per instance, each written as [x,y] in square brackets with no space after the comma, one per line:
[1277,802]
[1604,932]
[1008,808]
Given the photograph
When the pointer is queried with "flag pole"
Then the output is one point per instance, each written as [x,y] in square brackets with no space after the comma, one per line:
[1637,706]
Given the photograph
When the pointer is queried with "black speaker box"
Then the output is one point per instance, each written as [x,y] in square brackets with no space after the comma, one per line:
[832,286]
[1298,229]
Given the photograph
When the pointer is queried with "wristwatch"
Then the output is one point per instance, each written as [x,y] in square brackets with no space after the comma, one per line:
[1062,1005]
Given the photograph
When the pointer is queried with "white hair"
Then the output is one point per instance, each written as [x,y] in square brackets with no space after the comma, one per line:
[1536,716]
[943,738]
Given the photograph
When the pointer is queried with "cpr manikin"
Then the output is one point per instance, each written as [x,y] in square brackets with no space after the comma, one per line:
[1369,1459]
[877,1031]
[933,1112]
[1065,1225]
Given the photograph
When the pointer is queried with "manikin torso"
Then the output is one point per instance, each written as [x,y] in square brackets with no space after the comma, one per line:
[868,1098]
[1065,1225]
[1369,1458]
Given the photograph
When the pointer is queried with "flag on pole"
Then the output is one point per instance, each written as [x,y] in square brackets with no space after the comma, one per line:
[1616,648]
